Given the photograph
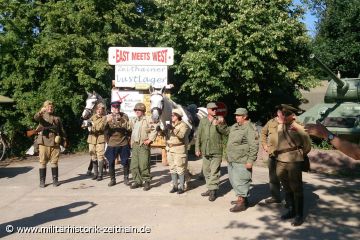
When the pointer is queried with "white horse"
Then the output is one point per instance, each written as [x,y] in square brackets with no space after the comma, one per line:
[92,101]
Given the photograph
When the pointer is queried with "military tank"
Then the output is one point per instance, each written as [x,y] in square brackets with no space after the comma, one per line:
[340,112]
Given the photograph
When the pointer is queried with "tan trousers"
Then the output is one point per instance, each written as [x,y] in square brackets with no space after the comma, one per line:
[177,162]
[97,151]
[48,154]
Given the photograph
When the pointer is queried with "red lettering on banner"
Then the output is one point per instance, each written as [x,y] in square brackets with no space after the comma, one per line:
[140,56]
[121,56]
[160,56]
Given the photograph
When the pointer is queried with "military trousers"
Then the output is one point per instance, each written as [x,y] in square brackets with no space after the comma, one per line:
[140,163]
[177,162]
[97,151]
[211,169]
[274,181]
[290,175]
[49,154]
[240,178]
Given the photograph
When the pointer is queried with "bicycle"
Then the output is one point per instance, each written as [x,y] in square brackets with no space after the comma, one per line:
[3,144]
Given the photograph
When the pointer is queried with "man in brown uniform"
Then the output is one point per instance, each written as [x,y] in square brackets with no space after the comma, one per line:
[178,139]
[96,141]
[143,134]
[52,132]
[118,137]
[292,146]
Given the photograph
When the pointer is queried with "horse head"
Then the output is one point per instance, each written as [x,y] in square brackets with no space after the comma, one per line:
[157,103]
[92,100]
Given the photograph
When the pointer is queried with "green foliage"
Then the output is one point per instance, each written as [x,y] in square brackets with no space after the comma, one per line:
[244,52]
[337,41]
[57,50]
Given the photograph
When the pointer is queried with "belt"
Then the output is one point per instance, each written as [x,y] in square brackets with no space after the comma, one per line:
[277,152]
[175,145]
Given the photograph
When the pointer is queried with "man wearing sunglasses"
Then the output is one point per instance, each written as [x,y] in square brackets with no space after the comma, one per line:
[209,145]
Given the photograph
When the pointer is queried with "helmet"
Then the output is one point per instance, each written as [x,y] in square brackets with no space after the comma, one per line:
[140,106]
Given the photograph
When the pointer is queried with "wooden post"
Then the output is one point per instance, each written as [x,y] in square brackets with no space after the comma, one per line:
[164,157]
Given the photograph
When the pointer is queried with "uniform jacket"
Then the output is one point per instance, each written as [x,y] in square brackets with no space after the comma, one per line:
[118,130]
[209,140]
[96,134]
[269,135]
[243,143]
[147,130]
[179,138]
[52,127]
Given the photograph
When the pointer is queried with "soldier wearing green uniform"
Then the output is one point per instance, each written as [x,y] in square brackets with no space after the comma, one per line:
[241,150]
[52,133]
[143,134]
[209,145]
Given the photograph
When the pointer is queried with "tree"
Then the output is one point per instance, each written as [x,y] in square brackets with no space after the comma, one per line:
[337,41]
[244,52]
[58,50]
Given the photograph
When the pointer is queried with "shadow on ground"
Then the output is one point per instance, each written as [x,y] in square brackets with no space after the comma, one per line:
[62,212]
[11,172]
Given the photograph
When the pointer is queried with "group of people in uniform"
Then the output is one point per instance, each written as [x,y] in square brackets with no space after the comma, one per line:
[282,138]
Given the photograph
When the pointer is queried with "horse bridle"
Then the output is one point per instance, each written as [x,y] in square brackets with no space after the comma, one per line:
[157,108]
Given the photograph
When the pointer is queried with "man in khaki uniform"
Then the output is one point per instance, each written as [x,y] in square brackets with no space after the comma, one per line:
[178,133]
[143,134]
[96,141]
[242,148]
[292,146]
[209,145]
[52,133]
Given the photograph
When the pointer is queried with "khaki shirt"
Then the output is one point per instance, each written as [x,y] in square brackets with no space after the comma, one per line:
[243,143]
[269,136]
[97,129]
[178,138]
[118,130]
[52,127]
[147,130]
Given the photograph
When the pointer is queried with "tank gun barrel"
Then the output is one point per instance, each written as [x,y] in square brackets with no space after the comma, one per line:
[338,81]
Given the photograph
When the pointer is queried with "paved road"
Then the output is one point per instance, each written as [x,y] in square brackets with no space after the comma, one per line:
[332,207]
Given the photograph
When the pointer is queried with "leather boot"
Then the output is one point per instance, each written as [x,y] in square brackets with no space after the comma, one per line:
[289,198]
[112,176]
[135,185]
[240,205]
[101,167]
[126,174]
[182,184]
[90,167]
[55,175]
[206,194]
[174,182]
[96,170]
[299,211]
[42,174]
[212,195]
[146,186]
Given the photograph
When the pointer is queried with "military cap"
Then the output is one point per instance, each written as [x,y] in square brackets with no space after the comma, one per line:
[288,109]
[140,106]
[178,112]
[211,105]
[241,111]
[117,103]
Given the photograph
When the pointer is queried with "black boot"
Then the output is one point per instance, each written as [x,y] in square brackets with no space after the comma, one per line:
[146,186]
[174,182]
[206,194]
[96,170]
[299,211]
[101,167]
[112,176]
[182,184]
[289,198]
[42,173]
[126,174]
[90,167]
[55,175]
[212,195]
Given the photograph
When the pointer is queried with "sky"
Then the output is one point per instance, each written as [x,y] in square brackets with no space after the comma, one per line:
[309,20]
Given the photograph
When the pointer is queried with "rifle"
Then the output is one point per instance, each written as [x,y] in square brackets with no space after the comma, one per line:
[32,132]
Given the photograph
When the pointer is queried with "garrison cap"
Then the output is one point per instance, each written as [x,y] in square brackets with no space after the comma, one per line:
[178,112]
[211,105]
[241,111]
